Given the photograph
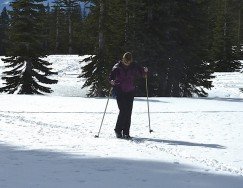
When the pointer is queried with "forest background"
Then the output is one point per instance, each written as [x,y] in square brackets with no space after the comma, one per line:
[181,42]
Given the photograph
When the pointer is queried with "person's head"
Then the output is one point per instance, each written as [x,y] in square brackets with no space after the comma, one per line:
[127,58]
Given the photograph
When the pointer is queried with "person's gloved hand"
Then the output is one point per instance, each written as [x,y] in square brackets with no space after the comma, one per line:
[114,82]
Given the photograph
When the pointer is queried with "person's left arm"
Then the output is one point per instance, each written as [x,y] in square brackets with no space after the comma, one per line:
[141,71]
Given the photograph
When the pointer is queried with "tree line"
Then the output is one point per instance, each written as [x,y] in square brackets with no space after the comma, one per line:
[181,42]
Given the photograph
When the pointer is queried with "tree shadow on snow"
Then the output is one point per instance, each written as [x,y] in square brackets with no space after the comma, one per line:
[41,168]
[150,100]
[143,99]
[222,99]
[175,142]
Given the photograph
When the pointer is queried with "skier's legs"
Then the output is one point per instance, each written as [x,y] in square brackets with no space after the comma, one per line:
[121,102]
[129,106]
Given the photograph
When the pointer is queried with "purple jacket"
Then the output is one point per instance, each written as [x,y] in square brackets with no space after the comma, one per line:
[125,76]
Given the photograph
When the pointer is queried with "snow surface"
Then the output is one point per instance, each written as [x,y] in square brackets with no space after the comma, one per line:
[48,141]
[227,85]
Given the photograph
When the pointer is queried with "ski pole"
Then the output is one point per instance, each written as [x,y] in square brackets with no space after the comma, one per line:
[97,136]
[146,78]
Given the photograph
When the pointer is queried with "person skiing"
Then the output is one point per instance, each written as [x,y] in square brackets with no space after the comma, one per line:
[122,79]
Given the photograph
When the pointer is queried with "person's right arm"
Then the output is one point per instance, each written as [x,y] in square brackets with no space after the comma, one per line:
[112,77]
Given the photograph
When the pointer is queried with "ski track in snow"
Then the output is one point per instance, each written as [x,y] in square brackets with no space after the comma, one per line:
[57,132]
[211,163]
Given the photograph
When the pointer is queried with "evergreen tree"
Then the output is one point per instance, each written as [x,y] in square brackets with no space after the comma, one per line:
[191,49]
[167,36]
[27,72]
[223,50]
[66,27]
[237,9]
[46,16]
[143,33]
[4,23]
[78,34]
[58,29]
[70,6]
[105,30]
[94,71]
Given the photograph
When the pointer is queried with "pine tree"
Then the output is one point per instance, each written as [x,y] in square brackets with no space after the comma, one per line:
[105,30]
[94,70]
[58,29]
[78,34]
[192,48]
[223,53]
[66,27]
[167,37]
[237,10]
[26,72]
[4,23]
[149,38]
[70,6]
[46,16]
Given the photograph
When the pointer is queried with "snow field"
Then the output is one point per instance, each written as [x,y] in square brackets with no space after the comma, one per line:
[48,141]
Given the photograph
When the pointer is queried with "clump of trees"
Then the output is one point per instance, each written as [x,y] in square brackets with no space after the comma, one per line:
[182,42]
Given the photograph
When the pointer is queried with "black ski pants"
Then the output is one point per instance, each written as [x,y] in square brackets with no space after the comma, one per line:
[125,104]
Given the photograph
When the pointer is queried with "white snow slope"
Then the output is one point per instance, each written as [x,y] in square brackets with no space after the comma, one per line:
[48,141]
